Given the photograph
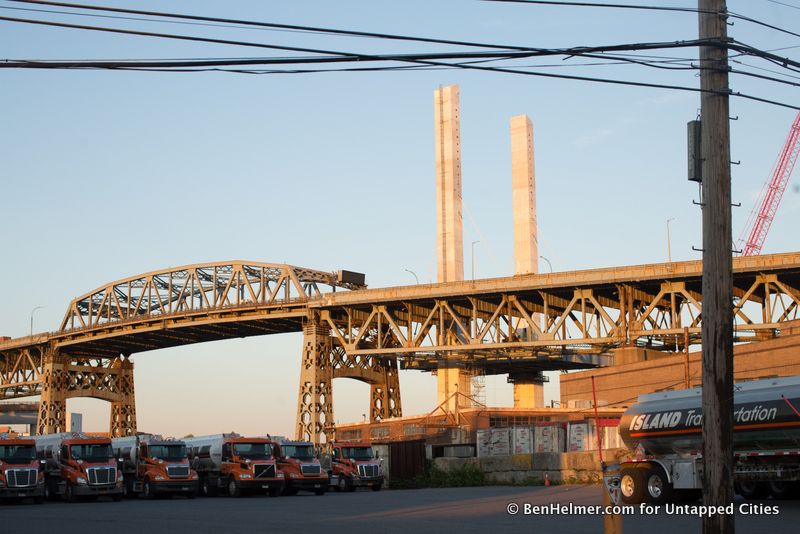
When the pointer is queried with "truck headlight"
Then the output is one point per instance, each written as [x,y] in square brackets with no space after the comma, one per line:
[194,476]
[159,477]
[293,475]
[81,481]
[279,475]
[245,476]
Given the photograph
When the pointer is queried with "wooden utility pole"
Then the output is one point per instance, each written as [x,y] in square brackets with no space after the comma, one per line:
[717,268]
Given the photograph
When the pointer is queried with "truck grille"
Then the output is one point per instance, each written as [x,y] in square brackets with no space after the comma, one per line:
[368,470]
[21,478]
[264,471]
[101,475]
[178,471]
[310,469]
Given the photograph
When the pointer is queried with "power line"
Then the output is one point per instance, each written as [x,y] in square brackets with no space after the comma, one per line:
[143,19]
[599,5]
[647,8]
[421,59]
[783,4]
[240,22]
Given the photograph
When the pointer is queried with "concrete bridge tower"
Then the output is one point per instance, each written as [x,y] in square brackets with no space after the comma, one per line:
[528,388]
[449,239]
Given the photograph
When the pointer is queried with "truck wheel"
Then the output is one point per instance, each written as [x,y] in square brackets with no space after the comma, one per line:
[632,485]
[377,487]
[290,491]
[659,489]
[782,490]
[50,490]
[147,490]
[209,489]
[751,490]
[116,497]
[233,488]
[69,493]
[344,484]
[275,492]
[128,492]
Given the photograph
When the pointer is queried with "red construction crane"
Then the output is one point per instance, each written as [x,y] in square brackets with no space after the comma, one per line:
[761,217]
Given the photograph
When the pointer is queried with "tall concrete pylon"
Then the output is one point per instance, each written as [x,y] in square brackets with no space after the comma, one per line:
[449,236]
[528,389]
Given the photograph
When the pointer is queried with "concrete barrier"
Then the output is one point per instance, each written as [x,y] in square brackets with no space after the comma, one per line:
[560,468]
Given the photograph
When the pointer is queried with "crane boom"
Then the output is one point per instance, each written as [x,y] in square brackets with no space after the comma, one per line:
[759,223]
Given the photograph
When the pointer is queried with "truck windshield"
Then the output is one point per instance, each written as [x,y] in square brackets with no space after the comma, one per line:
[167,452]
[300,452]
[91,452]
[358,453]
[253,451]
[17,454]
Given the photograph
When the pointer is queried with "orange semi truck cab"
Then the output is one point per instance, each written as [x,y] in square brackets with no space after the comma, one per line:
[153,465]
[235,464]
[301,468]
[21,472]
[354,465]
[78,465]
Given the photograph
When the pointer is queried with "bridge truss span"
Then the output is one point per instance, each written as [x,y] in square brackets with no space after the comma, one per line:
[198,288]
[558,320]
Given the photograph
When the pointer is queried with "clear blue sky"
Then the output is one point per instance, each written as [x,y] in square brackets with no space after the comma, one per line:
[109,174]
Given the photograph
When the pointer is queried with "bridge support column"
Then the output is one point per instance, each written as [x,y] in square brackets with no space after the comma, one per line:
[315,399]
[123,410]
[528,389]
[385,395]
[449,381]
[53,402]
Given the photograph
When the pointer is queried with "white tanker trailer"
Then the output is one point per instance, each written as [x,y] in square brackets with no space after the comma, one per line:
[665,430]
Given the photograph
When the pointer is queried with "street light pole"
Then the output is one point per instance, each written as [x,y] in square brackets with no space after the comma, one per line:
[414,274]
[32,312]
[548,263]
[473,258]
[669,251]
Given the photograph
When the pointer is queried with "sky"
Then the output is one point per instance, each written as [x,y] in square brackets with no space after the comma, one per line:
[108,174]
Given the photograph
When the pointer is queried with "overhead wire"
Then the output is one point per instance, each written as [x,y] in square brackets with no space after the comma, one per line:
[783,4]
[729,13]
[434,60]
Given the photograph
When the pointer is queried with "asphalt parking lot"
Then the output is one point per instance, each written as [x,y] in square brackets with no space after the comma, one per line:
[478,509]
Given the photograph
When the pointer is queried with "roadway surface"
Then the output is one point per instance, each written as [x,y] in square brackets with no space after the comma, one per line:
[408,511]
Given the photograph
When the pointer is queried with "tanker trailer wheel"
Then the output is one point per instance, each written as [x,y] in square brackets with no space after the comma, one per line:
[345,484]
[233,488]
[783,490]
[69,493]
[50,490]
[659,488]
[147,490]
[752,490]
[206,488]
[632,485]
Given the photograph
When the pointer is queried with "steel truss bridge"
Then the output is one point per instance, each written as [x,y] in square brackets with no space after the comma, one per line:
[518,325]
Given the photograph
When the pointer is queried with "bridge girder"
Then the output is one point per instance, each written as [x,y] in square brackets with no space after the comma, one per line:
[513,324]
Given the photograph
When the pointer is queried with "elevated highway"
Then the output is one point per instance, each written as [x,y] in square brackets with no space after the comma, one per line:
[513,325]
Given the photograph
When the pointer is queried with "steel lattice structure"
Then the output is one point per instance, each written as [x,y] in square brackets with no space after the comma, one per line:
[516,325]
